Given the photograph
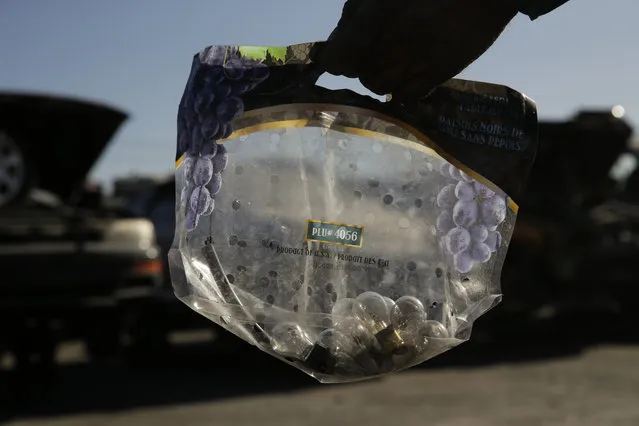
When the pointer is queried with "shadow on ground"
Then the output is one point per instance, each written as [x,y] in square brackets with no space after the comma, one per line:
[202,372]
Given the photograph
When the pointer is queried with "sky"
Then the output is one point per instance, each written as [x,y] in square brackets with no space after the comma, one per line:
[136,55]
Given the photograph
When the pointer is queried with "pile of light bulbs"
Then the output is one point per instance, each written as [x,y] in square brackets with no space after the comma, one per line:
[370,335]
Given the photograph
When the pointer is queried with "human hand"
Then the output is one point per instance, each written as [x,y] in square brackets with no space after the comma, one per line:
[408,47]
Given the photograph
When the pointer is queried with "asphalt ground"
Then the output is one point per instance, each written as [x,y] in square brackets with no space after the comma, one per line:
[571,371]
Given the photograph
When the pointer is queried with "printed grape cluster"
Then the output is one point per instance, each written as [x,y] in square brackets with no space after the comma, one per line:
[211,104]
[471,214]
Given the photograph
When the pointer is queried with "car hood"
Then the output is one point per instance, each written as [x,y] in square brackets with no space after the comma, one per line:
[63,137]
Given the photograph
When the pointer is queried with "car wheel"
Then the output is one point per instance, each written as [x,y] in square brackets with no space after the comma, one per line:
[15,175]
[34,349]
[148,337]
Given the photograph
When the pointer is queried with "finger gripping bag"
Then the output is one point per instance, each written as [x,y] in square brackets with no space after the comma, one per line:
[344,235]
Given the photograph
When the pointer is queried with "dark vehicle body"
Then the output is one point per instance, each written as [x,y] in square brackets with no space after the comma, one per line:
[156,202]
[577,236]
[72,266]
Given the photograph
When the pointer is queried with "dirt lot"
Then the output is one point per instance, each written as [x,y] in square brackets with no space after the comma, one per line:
[539,380]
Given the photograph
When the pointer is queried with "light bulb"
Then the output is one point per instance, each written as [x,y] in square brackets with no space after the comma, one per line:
[424,339]
[389,302]
[408,314]
[360,344]
[289,339]
[343,352]
[409,358]
[438,338]
[335,341]
[435,329]
[342,310]
[360,337]
[373,311]
[330,349]
[408,318]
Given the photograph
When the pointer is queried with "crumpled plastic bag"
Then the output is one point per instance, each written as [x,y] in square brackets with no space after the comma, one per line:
[346,236]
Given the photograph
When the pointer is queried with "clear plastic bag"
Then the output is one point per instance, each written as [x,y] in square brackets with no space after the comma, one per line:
[346,236]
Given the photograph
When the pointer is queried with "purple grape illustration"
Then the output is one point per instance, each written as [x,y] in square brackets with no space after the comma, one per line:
[203,103]
[202,171]
[185,195]
[470,215]
[478,232]
[463,262]
[191,220]
[223,91]
[210,208]
[444,169]
[200,200]
[183,140]
[465,191]
[241,88]
[458,240]
[466,177]
[187,166]
[465,213]
[234,68]
[209,128]
[211,103]
[225,131]
[493,241]
[196,143]
[446,198]
[220,160]
[454,173]
[230,109]
[479,252]
[213,55]
[256,73]
[215,185]
[445,222]
[209,150]
[482,191]
[493,212]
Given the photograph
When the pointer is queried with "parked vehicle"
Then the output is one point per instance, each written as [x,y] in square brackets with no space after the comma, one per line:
[156,201]
[577,232]
[72,266]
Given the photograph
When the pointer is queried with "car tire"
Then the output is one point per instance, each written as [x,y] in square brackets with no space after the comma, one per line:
[17,171]
[148,337]
[34,349]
